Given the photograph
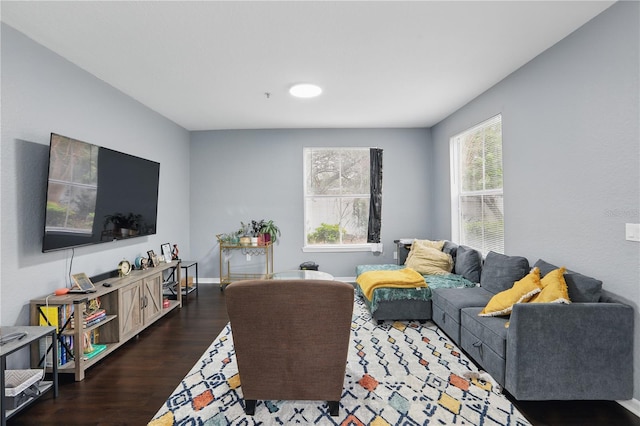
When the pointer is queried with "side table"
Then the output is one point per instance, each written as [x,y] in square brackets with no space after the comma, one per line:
[186,264]
[25,336]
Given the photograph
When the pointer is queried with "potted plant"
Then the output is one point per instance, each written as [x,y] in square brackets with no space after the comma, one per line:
[270,230]
[244,232]
[124,223]
[256,226]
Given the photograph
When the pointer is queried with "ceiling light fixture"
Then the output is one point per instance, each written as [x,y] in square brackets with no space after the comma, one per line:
[305,90]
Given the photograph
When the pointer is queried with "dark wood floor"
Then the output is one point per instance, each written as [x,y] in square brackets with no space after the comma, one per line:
[130,385]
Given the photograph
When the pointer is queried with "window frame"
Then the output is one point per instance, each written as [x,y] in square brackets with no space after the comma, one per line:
[333,248]
[456,184]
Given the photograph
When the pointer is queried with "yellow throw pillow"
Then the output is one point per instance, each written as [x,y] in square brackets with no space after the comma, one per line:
[428,260]
[523,290]
[417,244]
[554,288]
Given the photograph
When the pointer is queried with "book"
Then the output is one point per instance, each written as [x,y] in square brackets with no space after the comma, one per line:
[96,350]
[49,315]
[92,319]
[99,312]
[95,321]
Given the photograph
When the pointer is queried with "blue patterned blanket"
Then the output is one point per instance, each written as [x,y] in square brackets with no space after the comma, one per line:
[388,294]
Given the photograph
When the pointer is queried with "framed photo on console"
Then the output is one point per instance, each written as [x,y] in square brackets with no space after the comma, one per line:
[82,284]
[166,252]
[153,260]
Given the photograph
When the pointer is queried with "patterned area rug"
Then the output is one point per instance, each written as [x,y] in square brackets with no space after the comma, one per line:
[401,373]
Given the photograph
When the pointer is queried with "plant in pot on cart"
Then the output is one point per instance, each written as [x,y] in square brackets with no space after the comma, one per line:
[244,233]
[256,227]
[270,231]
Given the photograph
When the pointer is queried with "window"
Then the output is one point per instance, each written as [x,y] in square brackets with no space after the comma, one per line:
[477,210]
[336,198]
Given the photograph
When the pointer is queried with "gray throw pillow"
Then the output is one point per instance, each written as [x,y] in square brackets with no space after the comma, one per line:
[545,267]
[499,271]
[450,248]
[582,289]
[468,263]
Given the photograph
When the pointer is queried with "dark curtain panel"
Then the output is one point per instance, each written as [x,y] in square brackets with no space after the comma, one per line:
[375,205]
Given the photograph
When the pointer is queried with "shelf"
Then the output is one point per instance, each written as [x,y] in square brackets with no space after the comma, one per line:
[43,386]
[70,366]
[172,305]
[242,246]
[132,302]
[31,339]
[106,319]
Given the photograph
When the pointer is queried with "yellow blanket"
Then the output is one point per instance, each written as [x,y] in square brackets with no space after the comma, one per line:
[401,278]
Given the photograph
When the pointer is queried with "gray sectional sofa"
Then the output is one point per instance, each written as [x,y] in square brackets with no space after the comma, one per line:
[542,351]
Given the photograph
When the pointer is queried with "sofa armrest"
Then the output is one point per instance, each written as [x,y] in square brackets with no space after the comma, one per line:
[570,352]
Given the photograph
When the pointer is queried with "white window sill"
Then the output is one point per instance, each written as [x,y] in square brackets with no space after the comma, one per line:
[338,248]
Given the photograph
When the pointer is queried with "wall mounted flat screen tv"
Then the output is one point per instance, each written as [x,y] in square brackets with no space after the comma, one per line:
[97,195]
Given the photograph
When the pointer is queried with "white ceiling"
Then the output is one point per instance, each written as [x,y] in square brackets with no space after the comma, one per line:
[208,64]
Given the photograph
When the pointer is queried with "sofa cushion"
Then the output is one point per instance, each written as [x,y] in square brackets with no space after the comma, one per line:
[491,330]
[447,303]
[450,248]
[499,271]
[468,263]
[554,288]
[522,290]
[451,300]
[582,289]
[484,339]
[426,259]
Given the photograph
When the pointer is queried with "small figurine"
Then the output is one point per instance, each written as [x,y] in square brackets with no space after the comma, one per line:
[174,252]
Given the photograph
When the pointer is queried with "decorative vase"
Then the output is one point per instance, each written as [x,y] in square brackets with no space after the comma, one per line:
[266,238]
[254,241]
[245,241]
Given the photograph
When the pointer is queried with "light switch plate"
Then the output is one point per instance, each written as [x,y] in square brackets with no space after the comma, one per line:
[632,232]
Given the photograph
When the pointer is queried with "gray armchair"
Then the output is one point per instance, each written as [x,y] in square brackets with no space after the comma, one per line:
[291,339]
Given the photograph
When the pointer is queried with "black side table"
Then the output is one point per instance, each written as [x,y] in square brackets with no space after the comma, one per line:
[13,339]
[186,264]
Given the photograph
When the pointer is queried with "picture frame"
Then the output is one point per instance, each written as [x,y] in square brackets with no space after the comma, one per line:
[82,284]
[166,252]
[153,260]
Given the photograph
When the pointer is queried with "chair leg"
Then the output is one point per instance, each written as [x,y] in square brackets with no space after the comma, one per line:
[250,407]
[334,408]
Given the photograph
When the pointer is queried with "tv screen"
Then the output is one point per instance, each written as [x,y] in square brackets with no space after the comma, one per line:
[97,195]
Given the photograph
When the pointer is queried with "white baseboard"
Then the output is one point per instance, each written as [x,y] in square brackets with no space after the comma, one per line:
[632,405]
[217,280]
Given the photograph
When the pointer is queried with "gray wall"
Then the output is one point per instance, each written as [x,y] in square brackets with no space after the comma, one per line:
[44,93]
[257,174]
[571,154]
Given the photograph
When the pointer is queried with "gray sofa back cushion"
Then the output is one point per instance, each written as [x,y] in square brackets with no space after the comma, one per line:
[450,248]
[468,263]
[499,271]
[582,289]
